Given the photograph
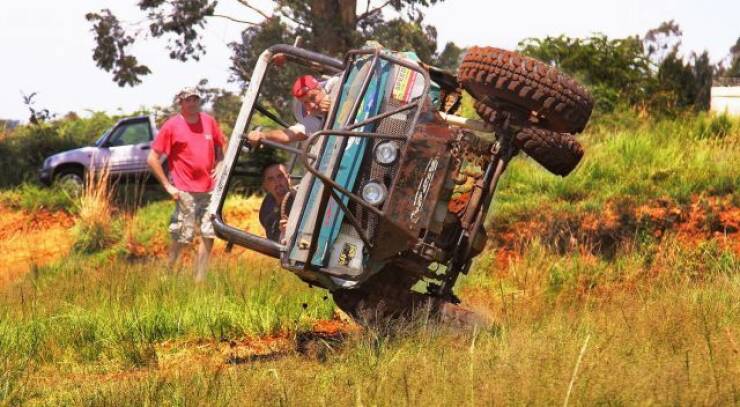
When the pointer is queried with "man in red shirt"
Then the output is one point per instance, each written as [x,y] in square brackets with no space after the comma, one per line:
[193,144]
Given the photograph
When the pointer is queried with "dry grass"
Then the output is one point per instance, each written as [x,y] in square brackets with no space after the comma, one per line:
[95,228]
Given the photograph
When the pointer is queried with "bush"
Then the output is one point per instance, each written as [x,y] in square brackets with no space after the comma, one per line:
[713,126]
[32,198]
[25,148]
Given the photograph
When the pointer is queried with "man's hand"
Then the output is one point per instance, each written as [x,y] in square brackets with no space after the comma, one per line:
[255,136]
[279,60]
[325,104]
[174,192]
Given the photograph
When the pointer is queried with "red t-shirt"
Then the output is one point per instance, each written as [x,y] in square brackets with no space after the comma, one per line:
[190,150]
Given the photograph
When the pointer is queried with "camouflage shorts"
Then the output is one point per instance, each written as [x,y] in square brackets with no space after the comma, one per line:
[190,215]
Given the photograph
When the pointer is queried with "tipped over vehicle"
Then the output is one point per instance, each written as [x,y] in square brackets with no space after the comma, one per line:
[394,191]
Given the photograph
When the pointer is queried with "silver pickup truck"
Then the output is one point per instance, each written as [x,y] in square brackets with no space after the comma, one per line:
[123,148]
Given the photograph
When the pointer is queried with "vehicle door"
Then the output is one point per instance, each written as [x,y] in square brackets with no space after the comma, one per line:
[129,146]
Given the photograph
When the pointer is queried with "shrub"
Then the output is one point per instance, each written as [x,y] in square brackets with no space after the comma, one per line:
[25,148]
[95,230]
[713,126]
[32,198]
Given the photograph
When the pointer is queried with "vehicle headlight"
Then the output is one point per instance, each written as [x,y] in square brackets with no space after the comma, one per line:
[374,193]
[386,152]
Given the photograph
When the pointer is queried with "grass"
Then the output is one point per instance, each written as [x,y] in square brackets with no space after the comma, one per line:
[656,321]
[30,197]
[100,339]
[673,159]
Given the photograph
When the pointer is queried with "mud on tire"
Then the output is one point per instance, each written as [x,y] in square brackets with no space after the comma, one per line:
[493,75]
[559,153]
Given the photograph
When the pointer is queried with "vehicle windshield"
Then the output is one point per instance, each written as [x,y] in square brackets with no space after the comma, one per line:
[102,137]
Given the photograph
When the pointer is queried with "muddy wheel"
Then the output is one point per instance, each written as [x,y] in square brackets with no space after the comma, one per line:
[387,297]
[493,76]
[559,153]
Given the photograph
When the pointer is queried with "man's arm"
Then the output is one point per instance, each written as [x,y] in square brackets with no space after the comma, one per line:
[154,163]
[283,136]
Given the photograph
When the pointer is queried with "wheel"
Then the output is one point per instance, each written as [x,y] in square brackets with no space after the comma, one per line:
[559,153]
[388,296]
[71,181]
[385,296]
[494,76]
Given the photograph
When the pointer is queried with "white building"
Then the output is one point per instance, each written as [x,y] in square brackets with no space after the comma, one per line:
[726,99]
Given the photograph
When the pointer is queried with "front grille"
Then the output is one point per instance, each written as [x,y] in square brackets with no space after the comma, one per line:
[396,125]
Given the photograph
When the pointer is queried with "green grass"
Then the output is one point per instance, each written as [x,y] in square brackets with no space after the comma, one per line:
[674,159]
[32,197]
[662,320]
[660,316]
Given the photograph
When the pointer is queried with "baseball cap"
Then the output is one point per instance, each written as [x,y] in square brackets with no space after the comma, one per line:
[303,84]
[186,93]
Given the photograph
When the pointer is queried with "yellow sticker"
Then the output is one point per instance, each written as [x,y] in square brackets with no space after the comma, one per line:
[404,83]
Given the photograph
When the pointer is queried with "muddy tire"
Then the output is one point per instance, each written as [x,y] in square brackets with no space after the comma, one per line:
[493,75]
[559,153]
[387,297]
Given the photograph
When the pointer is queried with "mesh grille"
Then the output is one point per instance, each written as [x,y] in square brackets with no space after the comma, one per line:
[396,125]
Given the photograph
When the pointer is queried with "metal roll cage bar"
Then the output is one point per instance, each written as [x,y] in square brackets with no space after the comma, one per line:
[271,248]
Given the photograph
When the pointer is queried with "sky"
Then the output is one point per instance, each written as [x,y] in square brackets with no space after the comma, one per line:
[47,44]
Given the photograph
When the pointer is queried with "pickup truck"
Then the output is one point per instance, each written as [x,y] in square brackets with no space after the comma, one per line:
[123,147]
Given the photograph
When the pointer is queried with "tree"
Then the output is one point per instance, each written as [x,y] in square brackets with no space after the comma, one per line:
[734,70]
[616,70]
[648,72]
[328,26]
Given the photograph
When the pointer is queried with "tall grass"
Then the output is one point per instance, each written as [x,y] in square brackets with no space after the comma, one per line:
[662,315]
[673,159]
[95,229]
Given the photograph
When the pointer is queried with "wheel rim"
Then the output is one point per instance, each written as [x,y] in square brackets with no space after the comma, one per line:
[71,183]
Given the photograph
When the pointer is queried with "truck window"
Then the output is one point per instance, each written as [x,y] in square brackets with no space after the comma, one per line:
[130,133]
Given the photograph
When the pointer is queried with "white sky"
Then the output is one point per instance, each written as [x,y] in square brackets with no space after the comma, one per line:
[46,45]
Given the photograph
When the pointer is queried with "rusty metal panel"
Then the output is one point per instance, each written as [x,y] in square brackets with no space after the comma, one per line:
[420,178]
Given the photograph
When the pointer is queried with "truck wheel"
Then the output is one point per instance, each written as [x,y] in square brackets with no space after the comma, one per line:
[559,153]
[71,180]
[493,75]
[387,297]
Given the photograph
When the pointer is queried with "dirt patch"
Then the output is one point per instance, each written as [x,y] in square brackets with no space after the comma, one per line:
[29,239]
[618,223]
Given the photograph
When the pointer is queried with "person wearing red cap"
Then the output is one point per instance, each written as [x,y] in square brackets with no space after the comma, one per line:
[312,100]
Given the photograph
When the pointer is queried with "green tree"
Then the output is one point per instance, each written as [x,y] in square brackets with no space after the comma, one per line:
[616,70]
[328,26]
[734,70]
[646,72]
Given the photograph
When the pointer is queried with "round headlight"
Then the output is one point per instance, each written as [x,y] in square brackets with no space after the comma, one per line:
[374,193]
[386,152]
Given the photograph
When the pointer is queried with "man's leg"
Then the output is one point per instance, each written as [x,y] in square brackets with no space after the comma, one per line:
[204,252]
[182,227]
[207,234]
[175,250]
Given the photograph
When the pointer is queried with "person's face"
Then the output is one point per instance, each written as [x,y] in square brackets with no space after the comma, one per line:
[190,105]
[275,181]
[312,100]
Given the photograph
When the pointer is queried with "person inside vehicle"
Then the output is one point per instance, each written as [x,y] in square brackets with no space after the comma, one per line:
[312,100]
[276,184]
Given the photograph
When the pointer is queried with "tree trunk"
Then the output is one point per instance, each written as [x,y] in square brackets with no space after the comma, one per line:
[334,23]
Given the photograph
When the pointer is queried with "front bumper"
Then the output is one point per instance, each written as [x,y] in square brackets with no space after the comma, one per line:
[45,176]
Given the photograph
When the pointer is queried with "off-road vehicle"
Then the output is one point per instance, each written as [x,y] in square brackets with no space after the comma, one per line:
[396,190]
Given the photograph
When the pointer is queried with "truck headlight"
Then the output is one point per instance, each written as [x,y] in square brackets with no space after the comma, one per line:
[374,193]
[386,152]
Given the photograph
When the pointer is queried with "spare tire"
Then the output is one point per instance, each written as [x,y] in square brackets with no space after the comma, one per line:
[559,153]
[494,75]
